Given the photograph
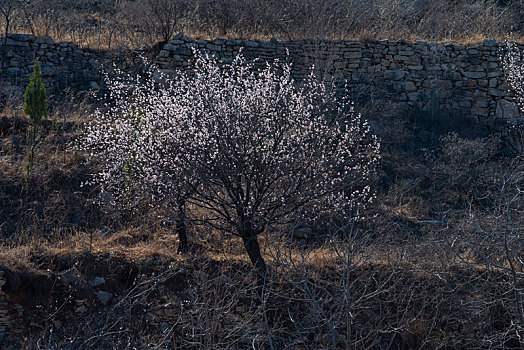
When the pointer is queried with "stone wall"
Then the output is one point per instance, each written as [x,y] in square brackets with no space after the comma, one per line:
[63,64]
[10,314]
[442,78]
[438,78]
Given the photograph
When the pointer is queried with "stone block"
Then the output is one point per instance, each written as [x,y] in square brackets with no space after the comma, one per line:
[483,82]
[410,86]
[103,297]
[353,54]
[476,67]
[163,53]
[489,42]
[496,92]
[474,75]
[482,103]
[480,111]
[14,43]
[70,276]
[507,109]
[494,73]
[212,47]
[415,96]
[340,65]
[21,37]
[183,51]
[186,39]
[394,74]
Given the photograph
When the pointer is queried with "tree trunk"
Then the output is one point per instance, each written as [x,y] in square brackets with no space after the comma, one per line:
[181,228]
[253,251]
[6,29]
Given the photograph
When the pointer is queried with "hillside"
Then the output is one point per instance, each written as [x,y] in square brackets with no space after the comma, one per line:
[373,202]
[423,270]
[108,24]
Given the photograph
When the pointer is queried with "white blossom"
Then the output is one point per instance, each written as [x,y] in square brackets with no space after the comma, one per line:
[249,148]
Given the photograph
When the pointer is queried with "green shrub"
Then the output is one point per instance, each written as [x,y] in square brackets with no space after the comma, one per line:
[35,105]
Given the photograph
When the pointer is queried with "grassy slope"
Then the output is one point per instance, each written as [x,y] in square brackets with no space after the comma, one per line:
[409,288]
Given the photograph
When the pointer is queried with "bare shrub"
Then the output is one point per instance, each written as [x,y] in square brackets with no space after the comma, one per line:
[107,24]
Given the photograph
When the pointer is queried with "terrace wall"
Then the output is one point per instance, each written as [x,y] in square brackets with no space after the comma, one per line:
[450,78]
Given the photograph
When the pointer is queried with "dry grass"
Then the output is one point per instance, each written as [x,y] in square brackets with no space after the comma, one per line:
[132,24]
[417,267]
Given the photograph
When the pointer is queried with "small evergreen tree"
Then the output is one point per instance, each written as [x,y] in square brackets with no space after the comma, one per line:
[35,105]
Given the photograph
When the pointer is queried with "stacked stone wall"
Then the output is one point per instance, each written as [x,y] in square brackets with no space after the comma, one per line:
[64,65]
[444,78]
[463,80]
[10,314]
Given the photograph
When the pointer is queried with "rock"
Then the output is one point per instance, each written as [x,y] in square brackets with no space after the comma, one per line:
[489,42]
[250,43]
[71,276]
[184,51]
[165,53]
[213,47]
[353,54]
[474,75]
[201,276]
[410,86]
[507,109]
[94,86]
[221,281]
[303,233]
[97,281]
[232,42]
[492,73]
[394,74]
[40,41]
[80,310]
[103,297]
[21,37]
[415,96]
[57,324]
[186,39]
[340,65]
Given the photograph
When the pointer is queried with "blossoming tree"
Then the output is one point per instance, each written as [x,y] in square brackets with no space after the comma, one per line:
[512,59]
[250,148]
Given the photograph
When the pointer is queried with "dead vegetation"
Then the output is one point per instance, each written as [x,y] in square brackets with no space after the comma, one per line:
[108,24]
[437,264]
